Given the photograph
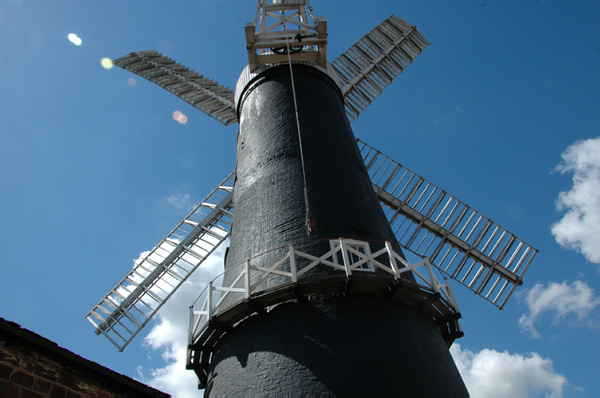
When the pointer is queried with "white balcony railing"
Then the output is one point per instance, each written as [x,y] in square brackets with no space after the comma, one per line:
[346,255]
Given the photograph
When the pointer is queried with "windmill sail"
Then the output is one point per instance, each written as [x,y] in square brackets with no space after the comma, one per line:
[201,92]
[365,70]
[133,302]
[427,221]
[371,64]
[458,240]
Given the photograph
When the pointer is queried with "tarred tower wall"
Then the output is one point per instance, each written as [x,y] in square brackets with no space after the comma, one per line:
[305,189]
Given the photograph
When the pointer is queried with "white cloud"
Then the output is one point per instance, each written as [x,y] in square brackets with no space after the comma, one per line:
[562,299]
[579,229]
[169,335]
[180,201]
[489,374]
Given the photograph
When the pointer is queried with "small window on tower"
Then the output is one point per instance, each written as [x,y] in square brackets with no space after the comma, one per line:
[356,251]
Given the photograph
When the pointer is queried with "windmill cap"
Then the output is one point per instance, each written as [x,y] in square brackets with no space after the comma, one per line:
[247,76]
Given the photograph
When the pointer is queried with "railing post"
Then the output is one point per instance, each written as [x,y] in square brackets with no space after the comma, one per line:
[293,264]
[190,325]
[345,258]
[190,334]
[393,264]
[432,278]
[247,278]
[209,301]
[450,295]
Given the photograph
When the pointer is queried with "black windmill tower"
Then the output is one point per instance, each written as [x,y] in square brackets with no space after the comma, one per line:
[317,296]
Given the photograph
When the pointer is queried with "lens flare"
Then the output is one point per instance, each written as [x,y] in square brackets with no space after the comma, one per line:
[106,63]
[180,117]
[73,38]
[131,82]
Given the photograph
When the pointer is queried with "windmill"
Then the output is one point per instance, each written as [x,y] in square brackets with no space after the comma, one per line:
[317,295]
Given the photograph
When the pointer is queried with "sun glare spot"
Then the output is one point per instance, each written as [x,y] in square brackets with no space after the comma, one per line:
[73,38]
[180,117]
[106,63]
[131,82]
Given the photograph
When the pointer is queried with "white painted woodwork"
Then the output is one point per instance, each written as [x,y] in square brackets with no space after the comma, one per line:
[233,298]
[371,64]
[280,26]
[461,242]
[128,307]
[201,92]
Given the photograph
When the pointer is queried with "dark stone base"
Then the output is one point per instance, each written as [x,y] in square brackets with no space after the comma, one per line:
[357,346]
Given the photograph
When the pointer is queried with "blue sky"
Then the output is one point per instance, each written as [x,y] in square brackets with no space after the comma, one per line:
[94,169]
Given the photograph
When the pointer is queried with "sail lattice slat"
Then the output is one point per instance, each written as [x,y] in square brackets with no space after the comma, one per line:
[133,302]
[201,92]
[458,240]
[371,64]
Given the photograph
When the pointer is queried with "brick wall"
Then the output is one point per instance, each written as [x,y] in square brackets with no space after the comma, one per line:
[32,366]
[27,373]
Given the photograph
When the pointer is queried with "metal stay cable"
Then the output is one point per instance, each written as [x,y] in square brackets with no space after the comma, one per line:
[309,222]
